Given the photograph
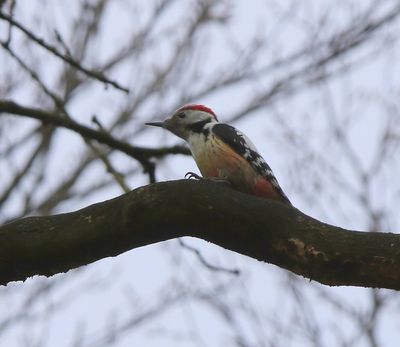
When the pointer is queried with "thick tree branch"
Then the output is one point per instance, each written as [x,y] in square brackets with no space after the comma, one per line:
[262,229]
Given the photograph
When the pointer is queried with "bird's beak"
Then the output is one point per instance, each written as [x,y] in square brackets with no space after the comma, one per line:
[156,124]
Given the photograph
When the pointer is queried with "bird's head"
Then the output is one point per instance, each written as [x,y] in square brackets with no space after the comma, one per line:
[187,120]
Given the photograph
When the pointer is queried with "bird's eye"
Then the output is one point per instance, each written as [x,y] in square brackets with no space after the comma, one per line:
[181,115]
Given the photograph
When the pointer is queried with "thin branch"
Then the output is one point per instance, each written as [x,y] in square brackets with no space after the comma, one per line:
[11,10]
[62,43]
[327,53]
[205,262]
[142,154]
[118,177]
[98,75]
[56,99]
[40,149]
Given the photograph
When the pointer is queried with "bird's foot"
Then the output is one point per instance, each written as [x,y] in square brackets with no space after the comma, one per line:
[190,175]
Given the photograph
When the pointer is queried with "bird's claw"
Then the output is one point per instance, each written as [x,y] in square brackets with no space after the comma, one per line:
[189,175]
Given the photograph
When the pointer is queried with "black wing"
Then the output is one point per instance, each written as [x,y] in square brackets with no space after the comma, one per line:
[242,145]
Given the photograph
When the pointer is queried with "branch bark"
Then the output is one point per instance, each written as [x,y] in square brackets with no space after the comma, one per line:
[259,228]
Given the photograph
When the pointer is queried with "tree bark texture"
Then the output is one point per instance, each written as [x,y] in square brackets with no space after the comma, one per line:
[262,229]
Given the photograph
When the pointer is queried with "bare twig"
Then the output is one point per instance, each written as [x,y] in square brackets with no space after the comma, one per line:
[40,149]
[98,75]
[56,99]
[203,261]
[142,154]
[62,43]
[119,178]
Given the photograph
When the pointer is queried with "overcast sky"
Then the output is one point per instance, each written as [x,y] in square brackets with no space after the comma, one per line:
[106,295]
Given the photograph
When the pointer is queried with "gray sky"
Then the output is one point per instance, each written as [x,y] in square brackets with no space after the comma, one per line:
[87,302]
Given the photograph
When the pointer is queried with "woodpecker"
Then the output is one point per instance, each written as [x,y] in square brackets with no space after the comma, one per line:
[222,152]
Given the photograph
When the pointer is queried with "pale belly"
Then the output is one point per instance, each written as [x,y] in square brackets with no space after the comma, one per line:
[215,159]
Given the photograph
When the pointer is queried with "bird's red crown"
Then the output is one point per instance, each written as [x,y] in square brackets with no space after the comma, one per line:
[199,108]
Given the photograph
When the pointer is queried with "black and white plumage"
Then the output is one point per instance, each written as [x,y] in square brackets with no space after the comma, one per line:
[241,144]
[221,151]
